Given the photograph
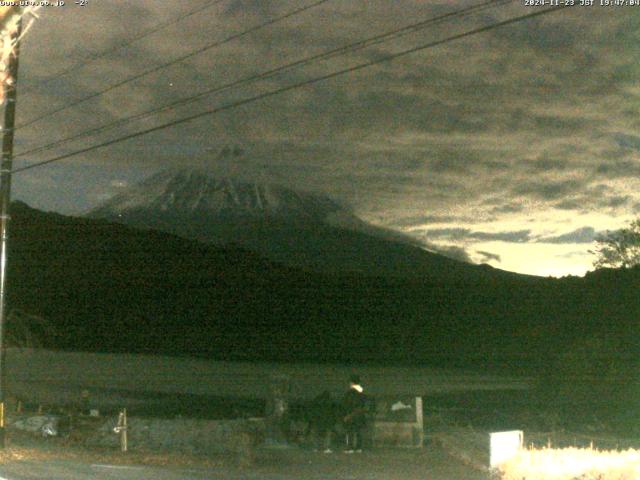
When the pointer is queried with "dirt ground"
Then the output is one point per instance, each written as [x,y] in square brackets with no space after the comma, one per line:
[390,464]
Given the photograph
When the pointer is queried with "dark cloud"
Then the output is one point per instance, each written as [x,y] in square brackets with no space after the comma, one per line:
[519,236]
[508,208]
[546,164]
[596,198]
[557,125]
[464,161]
[628,141]
[263,8]
[549,190]
[450,161]
[543,35]
[450,233]
[413,110]
[617,167]
[423,219]
[573,254]
[581,235]
[614,201]
[451,251]
[569,205]
[487,256]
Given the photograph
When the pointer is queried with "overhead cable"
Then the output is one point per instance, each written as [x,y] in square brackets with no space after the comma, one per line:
[350,48]
[278,91]
[129,41]
[170,63]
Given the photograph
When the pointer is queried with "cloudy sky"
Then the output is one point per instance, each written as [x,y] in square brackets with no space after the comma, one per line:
[512,147]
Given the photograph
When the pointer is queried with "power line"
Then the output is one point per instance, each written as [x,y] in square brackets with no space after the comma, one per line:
[173,62]
[294,86]
[353,47]
[94,56]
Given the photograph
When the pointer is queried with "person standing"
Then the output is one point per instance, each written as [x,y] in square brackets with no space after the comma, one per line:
[277,410]
[354,418]
[322,421]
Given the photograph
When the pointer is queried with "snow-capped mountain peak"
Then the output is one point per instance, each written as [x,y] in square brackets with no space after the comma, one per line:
[195,192]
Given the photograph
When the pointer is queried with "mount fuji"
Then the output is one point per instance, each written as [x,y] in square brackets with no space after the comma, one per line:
[295,228]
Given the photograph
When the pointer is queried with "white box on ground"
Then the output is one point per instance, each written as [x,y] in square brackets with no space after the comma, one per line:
[504,446]
[398,422]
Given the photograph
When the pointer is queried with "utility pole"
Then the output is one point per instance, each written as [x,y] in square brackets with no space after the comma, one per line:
[9,87]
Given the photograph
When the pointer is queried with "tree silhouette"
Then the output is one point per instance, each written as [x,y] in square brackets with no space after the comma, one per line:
[620,248]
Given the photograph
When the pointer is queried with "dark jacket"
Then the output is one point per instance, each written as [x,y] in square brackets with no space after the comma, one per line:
[354,409]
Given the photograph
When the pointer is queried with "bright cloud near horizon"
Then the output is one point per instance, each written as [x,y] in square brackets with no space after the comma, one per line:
[513,147]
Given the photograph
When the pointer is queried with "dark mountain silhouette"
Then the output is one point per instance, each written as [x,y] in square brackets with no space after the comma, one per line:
[107,287]
[290,227]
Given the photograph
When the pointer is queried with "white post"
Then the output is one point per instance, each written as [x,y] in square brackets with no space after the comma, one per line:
[419,421]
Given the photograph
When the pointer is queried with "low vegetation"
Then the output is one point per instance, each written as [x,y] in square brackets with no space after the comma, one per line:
[572,464]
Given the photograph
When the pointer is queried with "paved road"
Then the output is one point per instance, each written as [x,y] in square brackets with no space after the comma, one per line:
[73,471]
[389,465]
[65,470]
[78,471]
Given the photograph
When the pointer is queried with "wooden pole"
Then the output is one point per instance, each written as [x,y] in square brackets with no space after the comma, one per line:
[121,429]
[6,165]
[123,439]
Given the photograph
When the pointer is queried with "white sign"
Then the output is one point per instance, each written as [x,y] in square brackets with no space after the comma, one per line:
[504,446]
